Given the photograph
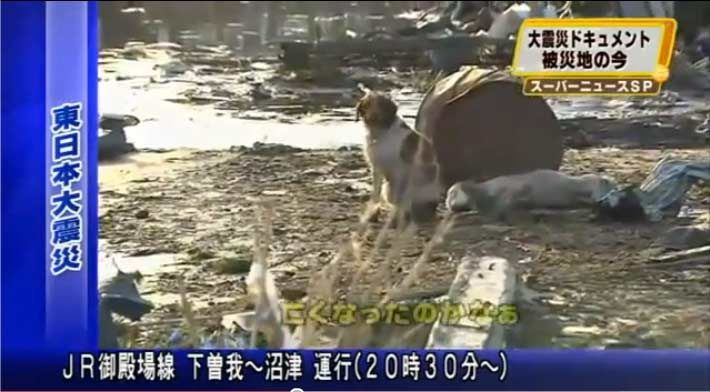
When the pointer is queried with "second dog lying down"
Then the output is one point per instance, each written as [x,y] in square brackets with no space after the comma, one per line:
[539,189]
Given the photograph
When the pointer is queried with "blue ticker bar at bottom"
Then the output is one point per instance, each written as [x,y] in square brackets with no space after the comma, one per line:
[399,370]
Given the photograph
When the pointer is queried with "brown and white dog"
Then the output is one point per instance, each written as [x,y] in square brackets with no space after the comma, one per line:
[538,189]
[400,159]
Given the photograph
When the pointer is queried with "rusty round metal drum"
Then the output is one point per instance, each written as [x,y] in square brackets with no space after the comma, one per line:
[482,126]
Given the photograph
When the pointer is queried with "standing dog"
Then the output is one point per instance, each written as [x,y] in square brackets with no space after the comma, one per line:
[400,159]
[539,189]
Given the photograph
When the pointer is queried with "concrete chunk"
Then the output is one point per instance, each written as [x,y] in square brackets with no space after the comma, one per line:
[479,280]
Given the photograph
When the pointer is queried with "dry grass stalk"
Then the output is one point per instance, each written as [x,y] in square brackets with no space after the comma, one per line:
[413,275]
[363,264]
[266,298]
[189,317]
[261,287]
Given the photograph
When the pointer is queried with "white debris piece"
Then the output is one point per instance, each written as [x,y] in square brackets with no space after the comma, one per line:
[484,280]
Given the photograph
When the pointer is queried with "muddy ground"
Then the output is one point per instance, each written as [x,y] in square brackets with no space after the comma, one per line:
[188,208]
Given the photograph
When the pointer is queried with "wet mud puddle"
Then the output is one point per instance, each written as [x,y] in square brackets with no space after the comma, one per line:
[306,116]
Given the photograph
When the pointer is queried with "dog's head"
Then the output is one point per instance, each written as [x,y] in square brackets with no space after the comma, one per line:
[377,111]
[458,197]
[469,195]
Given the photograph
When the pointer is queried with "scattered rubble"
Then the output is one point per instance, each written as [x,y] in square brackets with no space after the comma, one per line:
[686,237]
[208,205]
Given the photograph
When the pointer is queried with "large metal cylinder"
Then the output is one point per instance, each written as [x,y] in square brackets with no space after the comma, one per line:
[482,126]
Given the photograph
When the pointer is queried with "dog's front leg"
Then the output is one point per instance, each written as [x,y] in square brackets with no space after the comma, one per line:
[375,204]
[377,180]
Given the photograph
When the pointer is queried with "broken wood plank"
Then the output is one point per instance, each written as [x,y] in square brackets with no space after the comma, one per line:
[485,280]
[214,61]
[682,255]
[685,263]
[206,99]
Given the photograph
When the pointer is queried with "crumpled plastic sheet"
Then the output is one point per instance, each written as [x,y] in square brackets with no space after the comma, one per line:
[117,121]
[664,190]
[120,295]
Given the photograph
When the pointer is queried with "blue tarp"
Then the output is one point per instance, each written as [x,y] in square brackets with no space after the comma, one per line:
[664,190]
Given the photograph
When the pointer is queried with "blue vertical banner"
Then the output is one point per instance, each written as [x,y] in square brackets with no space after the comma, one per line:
[66,139]
[49,177]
